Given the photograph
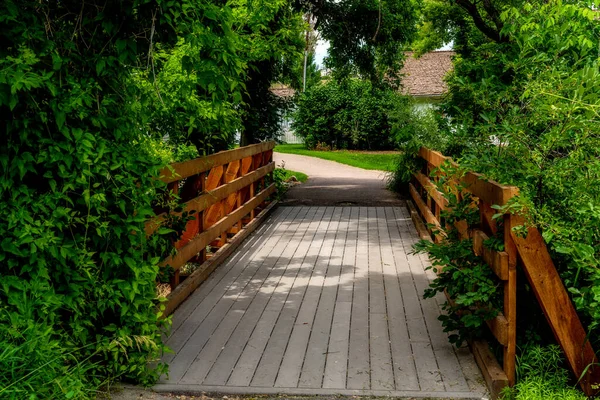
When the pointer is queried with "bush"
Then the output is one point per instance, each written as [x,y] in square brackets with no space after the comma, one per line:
[352,114]
[412,130]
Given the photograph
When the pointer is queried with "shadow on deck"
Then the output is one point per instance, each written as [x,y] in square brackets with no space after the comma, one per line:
[320,301]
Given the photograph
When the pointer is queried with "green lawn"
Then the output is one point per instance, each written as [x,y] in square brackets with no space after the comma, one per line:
[384,161]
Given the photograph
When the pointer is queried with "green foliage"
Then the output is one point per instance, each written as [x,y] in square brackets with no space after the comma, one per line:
[367,37]
[466,278]
[414,128]
[347,115]
[542,375]
[78,303]
[538,97]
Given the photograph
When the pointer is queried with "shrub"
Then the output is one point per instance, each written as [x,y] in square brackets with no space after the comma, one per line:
[351,114]
[413,129]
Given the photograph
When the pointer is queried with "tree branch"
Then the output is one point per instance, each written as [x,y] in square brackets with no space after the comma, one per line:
[487,30]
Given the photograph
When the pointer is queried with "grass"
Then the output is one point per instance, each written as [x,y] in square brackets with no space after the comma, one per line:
[382,161]
[302,177]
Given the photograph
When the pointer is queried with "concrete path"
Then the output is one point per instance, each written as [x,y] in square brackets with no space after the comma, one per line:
[331,183]
[320,301]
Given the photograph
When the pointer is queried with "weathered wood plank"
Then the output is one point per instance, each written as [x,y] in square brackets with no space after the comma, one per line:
[247,364]
[196,335]
[251,304]
[497,260]
[317,350]
[291,365]
[359,368]
[556,305]
[336,365]
[224,365]
[206,298]
[430,378]
[382,374]
[405,374]
[226,271]
[269,366]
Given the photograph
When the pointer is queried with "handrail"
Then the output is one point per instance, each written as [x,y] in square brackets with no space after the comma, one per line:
[529,253]
[225,192]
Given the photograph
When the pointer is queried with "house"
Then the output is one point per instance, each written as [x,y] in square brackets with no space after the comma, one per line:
[423,77]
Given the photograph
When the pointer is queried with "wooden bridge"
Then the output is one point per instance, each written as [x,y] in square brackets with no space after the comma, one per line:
[316,301]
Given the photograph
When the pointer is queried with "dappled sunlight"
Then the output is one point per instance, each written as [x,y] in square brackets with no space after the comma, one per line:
[326,298]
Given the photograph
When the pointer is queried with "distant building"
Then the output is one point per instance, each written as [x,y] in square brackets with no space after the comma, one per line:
[287,134]
[423,77]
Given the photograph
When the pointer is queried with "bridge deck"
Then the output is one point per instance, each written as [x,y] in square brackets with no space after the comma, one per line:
[320,300]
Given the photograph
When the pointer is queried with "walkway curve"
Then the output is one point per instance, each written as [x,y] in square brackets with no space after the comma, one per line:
[331,183]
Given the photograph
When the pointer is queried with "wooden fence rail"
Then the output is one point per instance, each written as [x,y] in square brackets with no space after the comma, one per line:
[228,196]
[529,253]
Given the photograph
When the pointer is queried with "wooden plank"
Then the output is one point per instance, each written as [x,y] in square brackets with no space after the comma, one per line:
[316,353]
[382,374]
[197,306]
[215,212]
[556,305]
[426,213]
[497,260]
[247,308]
[291,365]
[182,170]
[224,276]
[405,373]
[271,363]
[485,189]
[181,292]
[488,190]
[499,328]
[197,334]
[336,365]
[487,214]
[271,292]
[206,200]
[432,190]
[246,365]
[494,376]
[450,376]
[424,357]
[435,158]
[203,239]
[233,169]
[510,302]
[359,368]
[422,230]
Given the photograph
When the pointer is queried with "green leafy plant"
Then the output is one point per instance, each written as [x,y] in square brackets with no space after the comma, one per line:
[542,375]
[474,292]
[352,114]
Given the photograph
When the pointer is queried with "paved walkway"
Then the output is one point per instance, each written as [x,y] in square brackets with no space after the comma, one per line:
[320,301]
[332,183]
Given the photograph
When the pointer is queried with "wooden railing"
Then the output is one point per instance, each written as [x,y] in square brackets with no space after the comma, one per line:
[529,253]
[228,196]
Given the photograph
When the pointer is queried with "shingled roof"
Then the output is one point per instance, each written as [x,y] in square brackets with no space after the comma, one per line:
[423,76]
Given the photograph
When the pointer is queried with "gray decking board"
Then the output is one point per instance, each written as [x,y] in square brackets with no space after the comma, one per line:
[320,299]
